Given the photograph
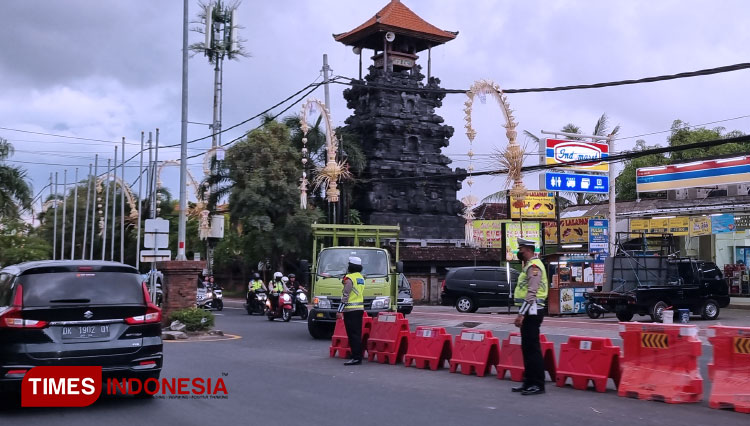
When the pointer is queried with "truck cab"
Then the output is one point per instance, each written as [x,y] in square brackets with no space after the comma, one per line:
[330,264]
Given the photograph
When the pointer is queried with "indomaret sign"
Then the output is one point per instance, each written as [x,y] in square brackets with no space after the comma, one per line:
[561,151]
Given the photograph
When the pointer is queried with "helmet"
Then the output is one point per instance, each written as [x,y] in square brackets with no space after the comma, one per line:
[292,276]
[284,280]
[256,275]
[277,275]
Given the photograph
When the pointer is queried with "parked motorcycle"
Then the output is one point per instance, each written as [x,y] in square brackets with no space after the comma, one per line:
[300,303]
[283,307]
[211,298]
[256,303]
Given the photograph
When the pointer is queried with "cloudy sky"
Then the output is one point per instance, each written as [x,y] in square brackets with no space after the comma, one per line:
[106,70]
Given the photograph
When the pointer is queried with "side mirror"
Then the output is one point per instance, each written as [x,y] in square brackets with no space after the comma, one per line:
[304,269]
[399,267]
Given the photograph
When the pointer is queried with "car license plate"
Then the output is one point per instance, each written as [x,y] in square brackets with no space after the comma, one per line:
[85,332]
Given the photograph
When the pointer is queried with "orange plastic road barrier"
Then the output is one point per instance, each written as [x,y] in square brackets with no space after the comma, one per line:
[660,362]
[429,346]
[340,341]
[475,351]
[588,358]
[511,357]
[388,338]
[730,370]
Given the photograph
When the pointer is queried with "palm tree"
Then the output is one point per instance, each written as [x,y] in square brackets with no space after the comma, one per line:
[15,192]
[600,129]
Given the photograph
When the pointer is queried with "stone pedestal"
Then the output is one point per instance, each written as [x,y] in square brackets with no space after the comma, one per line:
[180,285]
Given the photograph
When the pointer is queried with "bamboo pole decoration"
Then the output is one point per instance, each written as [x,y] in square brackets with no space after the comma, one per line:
[328,175]
[510,157]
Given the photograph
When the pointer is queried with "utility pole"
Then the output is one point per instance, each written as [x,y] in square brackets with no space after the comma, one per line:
[140,207]
[326,69]
[612,201]
[86,217]
[65,205]
[182,220]
[94,205]
[122,203]
[114,205]
[106,210]
[75,216]
[54,226]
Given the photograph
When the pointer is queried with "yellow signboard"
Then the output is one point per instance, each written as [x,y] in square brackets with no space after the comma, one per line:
[679,226]
[574,230]
[550,232]
[638,225]
[700,225]
[658,226]
[536,205]
[655,340]
[513,231]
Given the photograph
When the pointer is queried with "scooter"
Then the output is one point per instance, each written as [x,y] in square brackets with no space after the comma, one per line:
[283,307]
[212,299]
[257,303]
[300,303]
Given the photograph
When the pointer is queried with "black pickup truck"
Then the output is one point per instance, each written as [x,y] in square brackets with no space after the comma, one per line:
[649,284]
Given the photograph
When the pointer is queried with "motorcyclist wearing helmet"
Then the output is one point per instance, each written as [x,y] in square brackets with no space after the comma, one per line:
[254,286]
[276,287]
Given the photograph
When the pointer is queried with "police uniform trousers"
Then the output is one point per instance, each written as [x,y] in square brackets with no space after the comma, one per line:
[533,362]
[353,324]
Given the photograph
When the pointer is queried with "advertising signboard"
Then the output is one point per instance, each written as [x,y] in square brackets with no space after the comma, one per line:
[598,236]
[700,225]
[722,223]
[537,205]
[531,231]
[695,174]
[574,230]
[561,151]
[488,233]
[679,226]
[576,183]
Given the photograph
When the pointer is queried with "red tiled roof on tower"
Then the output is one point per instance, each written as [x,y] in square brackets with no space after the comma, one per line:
[396,17]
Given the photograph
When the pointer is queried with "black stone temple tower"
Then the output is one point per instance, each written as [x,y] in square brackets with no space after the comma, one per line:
[402,137]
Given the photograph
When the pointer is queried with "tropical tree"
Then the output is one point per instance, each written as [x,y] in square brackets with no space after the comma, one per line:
[19,244]
[15,191]
[681,134]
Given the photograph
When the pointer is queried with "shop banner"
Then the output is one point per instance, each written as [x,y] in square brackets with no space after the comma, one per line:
[572,301]
[658,226]
[679,226]
[561,151]
[574,230]
[531,231]
[638,225]
[599,273]
[700,225]
[742,223]
[550,232]
[536,205]
[690,175]
[599,236]
[722,223]
[488,233]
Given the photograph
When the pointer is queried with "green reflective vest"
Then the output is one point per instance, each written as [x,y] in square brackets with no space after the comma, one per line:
[256,285]
[277,287]
[357,295]
[522,287]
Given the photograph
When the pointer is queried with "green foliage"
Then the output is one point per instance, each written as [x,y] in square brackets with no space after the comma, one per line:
[194,319]
[681,134]
[261,176]
[18,244]
[15,192]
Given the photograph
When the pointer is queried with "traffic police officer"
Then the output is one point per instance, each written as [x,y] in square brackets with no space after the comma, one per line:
[530,296]
[352,307]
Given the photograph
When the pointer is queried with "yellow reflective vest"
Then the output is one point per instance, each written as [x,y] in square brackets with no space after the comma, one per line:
[256,285]
[522,287]
[357,295]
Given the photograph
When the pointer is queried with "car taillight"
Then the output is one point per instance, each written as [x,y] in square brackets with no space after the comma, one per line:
[442,285]
[13,316]
[152,315]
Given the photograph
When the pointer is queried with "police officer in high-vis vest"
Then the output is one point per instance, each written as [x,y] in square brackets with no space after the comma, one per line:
[530,296]
[352,308]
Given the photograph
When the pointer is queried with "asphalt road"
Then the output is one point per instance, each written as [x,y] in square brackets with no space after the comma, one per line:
[277,375]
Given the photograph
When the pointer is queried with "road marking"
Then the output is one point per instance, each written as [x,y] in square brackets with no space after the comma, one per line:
[225,337]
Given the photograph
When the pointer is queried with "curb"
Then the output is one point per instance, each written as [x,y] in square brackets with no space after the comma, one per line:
[744,307]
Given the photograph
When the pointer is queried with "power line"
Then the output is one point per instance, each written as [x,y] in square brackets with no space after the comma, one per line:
[698,73]
[63,136]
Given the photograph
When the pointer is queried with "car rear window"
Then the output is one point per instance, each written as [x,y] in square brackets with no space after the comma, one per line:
[485,275]
[5,291]
[97,288]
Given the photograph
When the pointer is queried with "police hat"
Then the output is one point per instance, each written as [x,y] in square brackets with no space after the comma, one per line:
[524,242]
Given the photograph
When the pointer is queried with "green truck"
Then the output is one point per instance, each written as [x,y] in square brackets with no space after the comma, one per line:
[329,266]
